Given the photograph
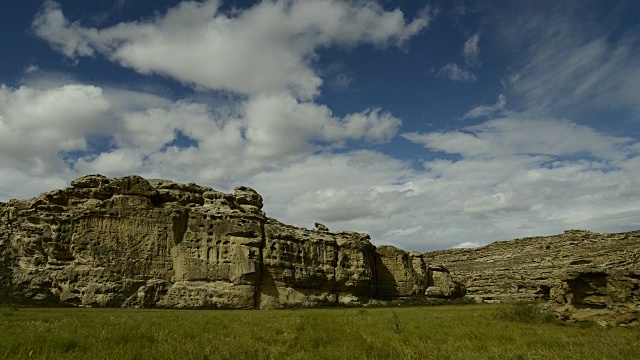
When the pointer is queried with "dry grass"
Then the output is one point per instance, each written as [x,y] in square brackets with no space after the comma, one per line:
[442,332]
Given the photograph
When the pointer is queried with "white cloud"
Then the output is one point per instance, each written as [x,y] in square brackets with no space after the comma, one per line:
[570,63]
[261,133]
[282,127]
[486,110]
[36,125]
[340,205]
[31,69]
[521,135]
[515,176]
[521,190]
[511,175]
[466,245]
[471,51]
[17,184]
[456,73]
[119,162]
[268,48]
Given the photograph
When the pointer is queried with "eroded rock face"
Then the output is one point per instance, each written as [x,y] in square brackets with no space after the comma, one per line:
[607,297]
[527,269]
[442,284]
[400,273]
[303,267]
[135,242]
[403,274]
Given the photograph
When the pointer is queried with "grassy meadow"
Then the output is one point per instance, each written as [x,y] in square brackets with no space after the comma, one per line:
[438,332]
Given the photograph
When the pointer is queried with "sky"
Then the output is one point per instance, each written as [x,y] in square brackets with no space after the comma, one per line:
[427,124]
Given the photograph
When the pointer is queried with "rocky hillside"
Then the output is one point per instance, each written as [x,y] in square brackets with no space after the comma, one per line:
[528,269]
[135,242]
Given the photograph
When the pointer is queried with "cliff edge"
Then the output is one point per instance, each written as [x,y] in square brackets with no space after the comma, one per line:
[133,242]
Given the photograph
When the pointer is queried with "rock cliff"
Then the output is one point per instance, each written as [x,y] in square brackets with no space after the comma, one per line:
[533,268]
[581,275]
[134,242]
[606,297]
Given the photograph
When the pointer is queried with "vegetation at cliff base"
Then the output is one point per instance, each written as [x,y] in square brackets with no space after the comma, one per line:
[440,332]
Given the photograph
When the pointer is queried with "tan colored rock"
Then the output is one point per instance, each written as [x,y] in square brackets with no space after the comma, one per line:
[135,242]
[90,181]
[247,196]
[400,274]
[308,268]
[208,294]
[527,269]
[606,297]
[442,284]
[132,185]
[321,227]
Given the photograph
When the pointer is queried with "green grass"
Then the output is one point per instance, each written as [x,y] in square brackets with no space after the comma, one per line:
[440,332]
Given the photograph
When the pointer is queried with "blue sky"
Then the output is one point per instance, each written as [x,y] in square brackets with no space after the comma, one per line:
[428,124]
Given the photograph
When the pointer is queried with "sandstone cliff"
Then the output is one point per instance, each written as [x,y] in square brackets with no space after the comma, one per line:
[531,268]
[582,276]
[135,242]
[607,297]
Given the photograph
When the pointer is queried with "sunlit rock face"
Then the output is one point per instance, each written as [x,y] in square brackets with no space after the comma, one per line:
[135,242]
[606,297]
[576,276]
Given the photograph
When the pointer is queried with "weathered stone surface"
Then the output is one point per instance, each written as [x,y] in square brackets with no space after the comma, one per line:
[400,273]
[247,196]
[607,297]
[135,242]
[403,274]
[321,227]
[442,284]
[308,268]
[90,181]
[527,269]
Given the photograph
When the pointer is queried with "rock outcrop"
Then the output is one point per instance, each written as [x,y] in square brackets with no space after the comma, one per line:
[606,297]
[135,242]
[529,269]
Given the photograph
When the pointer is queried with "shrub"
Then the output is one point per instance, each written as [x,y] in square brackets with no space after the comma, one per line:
[524,313]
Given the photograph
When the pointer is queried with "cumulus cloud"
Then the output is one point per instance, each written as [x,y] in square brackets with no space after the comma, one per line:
[483,196]
[280,126]
[268,48]
[139,133]
[512,174]
[456,73]
[17,184]
[36,125]
[340,205]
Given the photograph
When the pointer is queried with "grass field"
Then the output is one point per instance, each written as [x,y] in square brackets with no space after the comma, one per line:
[439,332]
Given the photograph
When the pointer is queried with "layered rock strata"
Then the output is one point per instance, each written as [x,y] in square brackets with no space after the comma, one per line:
[135,242]
[606,297]
[530,269]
